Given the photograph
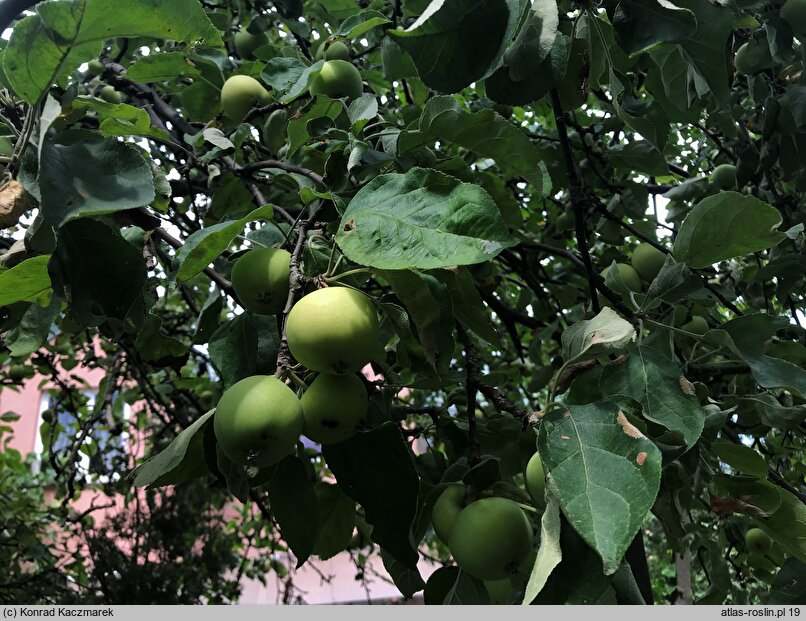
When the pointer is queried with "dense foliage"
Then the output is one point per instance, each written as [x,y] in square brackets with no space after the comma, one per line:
[566,228]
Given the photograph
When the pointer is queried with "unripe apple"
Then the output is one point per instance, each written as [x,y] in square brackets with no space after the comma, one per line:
[498,590]
[110,95]
[246,42]
[337,78]
[753,56]
[647,261]
[95,67]
[757,541]
[535,479]
[275,130]
[698,325]
[490,538]
[724,176]
[628,276]
[337,50]
[260,280]
[333,330]
[258,420]
[446,509]
[794,13]
[332,406]
[240,94]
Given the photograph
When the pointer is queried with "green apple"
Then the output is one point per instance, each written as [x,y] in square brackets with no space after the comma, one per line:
[724,176]
[647,261]
[258,420]
[110,95]
[794,13]
[535,479]
[337,50]
[275,130]
[446,509]
[753,56]
[337,78]
[240,94]
[757,541]
[332,406]
[628,276]
[490,538]
[95,67]
[498,590]
[698,325]
[246,42]
[260,280]
[333,330]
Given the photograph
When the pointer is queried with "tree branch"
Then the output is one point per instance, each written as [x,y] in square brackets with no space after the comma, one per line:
[472,386]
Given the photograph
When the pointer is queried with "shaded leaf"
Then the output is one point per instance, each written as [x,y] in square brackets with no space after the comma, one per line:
[549,554]
[295,506]
[591,338]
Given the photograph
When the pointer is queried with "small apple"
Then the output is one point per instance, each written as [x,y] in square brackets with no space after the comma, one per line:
[535,479]
[258,420]
[240,94]
[628,276]
[333,330]
[698,325]
[110,95]
[647,261]
[757,541]
[490,539]
[338,78]
[246,42]
[332,406]
[446,509]
[260,280]
[95,67]
[337,50]
[724,176]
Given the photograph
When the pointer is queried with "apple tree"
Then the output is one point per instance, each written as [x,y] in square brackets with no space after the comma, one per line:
[506,296]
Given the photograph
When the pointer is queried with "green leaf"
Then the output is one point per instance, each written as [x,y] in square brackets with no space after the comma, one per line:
[336,520]
[121,119]
[606,333]
[724,226]
[103,275]
[298,130]
[159,349]
[787,525]
[773,414]
[91,178]
[748,337]
[467,303]
[289,76]
[534,42]
[666,396]
[549,554]
[740,457]
[31,333]
[641,25]
[421,219]
[159,67]
[438,41]
[182,460]
[714,28]
[47,47]
[361,23]
[605,473]
[407,580]
[466,591]
[28,281]
[376,470]
[206,245]
[246,345]
[489,135]
[234,475]
[789,587]
[295,506]
[426,299]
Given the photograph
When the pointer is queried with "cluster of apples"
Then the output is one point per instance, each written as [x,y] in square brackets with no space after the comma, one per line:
[645,263]
[337,77]
[332,332]
[490,538]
